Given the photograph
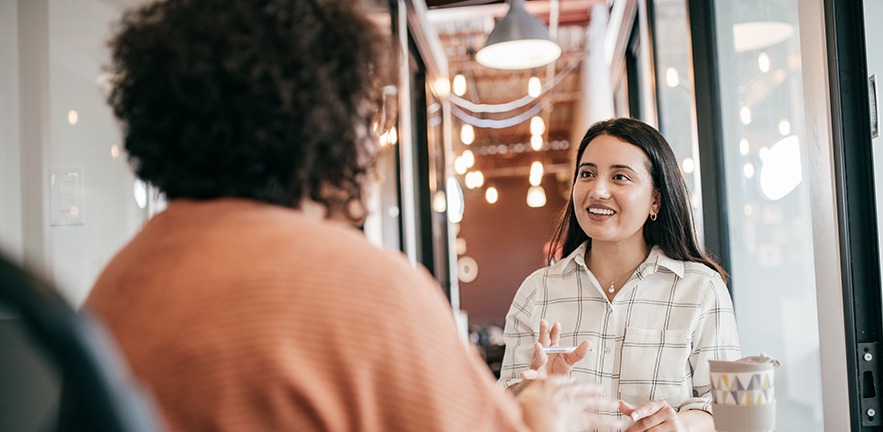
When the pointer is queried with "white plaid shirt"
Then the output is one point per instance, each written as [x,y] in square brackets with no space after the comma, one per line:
[653,342]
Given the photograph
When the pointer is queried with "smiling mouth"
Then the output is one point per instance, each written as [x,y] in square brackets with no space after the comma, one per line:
[600,211]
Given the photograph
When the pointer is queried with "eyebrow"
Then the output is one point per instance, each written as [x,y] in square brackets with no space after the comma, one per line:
[592,165]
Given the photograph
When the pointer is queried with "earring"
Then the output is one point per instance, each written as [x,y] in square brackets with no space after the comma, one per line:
[653,217]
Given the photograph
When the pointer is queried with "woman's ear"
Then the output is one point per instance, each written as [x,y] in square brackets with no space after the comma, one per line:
[657,201]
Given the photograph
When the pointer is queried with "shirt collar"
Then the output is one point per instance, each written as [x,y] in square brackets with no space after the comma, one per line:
[655,260]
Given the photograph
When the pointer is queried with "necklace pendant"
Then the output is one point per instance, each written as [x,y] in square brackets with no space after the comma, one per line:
[611,289]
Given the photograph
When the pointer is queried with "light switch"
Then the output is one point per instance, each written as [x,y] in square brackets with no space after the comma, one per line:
[67,190]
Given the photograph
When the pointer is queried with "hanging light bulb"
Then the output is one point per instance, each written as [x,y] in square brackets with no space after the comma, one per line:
[456,203]
[474,179]
[470,180]
[467,134]
[672,78]
[688,166]
[460,165]
[491,195]
[536,197]
[468,158]
[536,142]
[459,85]
[534,87]
[518,41]
[763,62]
[439,202]
[442,86]
[479,179]
[784,127]
[745,115]
[537,125]
[536,173]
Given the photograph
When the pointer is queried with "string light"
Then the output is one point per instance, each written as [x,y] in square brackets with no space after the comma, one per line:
[491,195]
[536,197]
[784,127]
[467,134]
[745,115]
[763,62]
[459,85]
[537,125]
[534,87]
[536,142]
[672,78]
[460,165]
[536,173]
[468,158]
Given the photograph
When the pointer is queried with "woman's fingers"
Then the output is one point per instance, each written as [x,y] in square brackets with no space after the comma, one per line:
[539,357]
[544,338]
[555,334]
[581,351]
[651,415]
[529,375]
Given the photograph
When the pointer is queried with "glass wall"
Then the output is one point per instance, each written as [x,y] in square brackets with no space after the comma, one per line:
[768,198]
[674,85]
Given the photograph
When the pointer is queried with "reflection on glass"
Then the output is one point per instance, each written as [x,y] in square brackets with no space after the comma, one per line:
[773,275]
[677,117]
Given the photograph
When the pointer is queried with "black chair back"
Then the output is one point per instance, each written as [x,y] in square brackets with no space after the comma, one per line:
[59,371]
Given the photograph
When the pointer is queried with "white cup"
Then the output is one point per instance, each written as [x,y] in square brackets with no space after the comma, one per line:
[743,394]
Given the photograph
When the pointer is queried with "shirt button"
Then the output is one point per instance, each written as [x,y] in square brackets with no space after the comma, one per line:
[607,350]
[604,394]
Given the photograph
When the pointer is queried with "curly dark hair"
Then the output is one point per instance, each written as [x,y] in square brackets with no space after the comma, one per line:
[262,99]
[673,229]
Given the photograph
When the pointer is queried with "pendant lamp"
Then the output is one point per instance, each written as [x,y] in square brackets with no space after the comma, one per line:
[518,41]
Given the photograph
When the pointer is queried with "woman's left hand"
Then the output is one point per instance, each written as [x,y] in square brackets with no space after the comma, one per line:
[657,416]
[543,364]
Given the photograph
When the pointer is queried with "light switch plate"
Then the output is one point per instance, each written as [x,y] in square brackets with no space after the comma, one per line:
[874,106]
[67,196]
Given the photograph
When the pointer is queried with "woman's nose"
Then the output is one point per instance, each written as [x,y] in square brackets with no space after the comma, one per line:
[599,190]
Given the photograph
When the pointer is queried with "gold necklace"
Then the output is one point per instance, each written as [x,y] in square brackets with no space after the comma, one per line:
[612,287]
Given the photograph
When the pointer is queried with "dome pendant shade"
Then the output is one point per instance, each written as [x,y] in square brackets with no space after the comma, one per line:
[518,41]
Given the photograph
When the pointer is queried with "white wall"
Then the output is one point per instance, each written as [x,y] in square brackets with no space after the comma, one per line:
[62,46]
[10,154]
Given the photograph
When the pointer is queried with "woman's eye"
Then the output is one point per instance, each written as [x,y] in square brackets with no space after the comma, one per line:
[621,177]
[585,174]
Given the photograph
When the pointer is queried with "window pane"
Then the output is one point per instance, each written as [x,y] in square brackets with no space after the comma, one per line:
[768,199]
[677,116]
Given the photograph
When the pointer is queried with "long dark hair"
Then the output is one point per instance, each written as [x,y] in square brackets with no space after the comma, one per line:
[673,229]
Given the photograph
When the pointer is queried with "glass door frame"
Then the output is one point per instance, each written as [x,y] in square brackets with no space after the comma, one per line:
[856,207]
[843,206]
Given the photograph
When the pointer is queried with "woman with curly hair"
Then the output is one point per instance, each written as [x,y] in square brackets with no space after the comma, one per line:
[250,303]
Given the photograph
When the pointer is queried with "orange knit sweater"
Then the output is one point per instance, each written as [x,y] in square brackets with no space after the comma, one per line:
[242,316]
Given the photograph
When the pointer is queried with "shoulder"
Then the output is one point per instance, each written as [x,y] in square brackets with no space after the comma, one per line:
[556,271]
[709,284]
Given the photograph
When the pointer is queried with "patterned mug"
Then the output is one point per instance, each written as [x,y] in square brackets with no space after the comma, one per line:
[743,394]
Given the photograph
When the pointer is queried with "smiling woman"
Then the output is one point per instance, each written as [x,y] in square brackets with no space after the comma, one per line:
[633,283]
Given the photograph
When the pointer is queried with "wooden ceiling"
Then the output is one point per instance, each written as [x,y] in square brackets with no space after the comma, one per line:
[462,27]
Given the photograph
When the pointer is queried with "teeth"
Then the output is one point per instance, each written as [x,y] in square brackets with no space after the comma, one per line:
[601,211]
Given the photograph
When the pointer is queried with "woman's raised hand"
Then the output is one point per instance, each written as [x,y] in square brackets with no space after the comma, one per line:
[544,364]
